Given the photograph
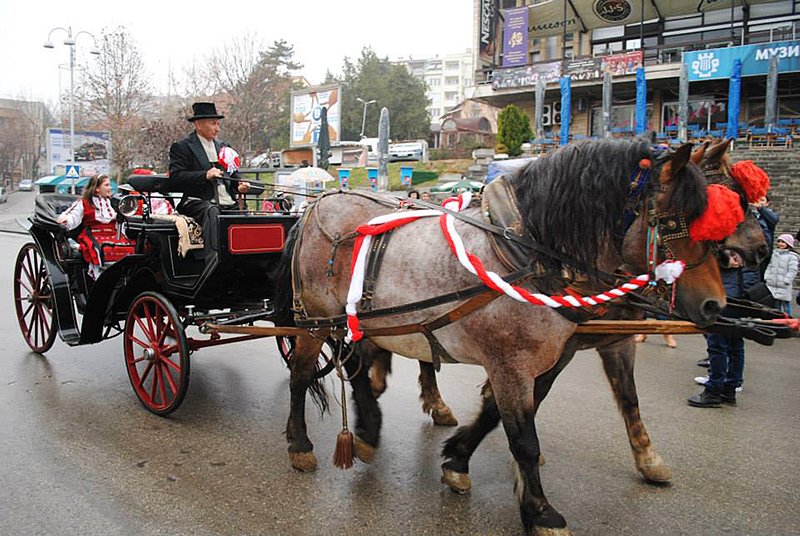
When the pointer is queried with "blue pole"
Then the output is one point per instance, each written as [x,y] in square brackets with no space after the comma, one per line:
[566,112]
[734,99]
[641,101]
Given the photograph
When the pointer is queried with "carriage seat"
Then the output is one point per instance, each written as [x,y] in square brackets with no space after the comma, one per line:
[150,183]
[49,207]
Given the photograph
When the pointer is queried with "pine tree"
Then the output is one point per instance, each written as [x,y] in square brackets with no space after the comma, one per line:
[513,129]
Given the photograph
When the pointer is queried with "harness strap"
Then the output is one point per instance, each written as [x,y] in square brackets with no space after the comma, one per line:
[375,256]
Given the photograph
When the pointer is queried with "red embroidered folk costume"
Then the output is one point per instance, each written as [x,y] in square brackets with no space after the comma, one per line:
[98,240]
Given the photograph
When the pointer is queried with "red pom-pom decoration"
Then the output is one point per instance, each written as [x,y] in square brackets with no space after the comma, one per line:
[723,214]
[644,163]
[753,180]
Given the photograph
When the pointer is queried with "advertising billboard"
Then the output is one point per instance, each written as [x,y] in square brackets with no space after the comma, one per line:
[307,107]
[92,151]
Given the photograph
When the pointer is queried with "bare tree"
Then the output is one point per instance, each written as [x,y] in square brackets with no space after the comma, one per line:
[22,137]
[117,94]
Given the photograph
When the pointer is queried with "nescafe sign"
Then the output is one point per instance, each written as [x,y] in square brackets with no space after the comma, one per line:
[612,10]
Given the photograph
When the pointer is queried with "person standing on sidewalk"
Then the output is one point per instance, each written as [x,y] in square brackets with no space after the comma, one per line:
[781,271]
[726,354]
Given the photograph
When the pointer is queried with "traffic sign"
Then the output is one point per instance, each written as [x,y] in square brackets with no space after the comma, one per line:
[73,172]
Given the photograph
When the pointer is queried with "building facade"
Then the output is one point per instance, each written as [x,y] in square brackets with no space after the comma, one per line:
[521,41]
[447,78]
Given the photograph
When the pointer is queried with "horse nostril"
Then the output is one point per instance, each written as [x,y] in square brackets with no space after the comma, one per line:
[711,308]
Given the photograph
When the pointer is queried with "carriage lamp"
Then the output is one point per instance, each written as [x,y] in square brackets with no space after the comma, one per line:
[128,205]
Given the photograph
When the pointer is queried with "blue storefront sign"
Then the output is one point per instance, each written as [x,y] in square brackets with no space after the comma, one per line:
[717,63]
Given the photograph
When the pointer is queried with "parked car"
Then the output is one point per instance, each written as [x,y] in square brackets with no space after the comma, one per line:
[25,185]
[3,195]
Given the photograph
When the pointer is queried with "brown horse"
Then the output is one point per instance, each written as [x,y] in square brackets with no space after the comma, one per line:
[618,359]
[572,203]
[617,352]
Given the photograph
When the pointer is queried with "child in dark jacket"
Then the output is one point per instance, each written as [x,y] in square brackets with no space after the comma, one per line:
[726,354]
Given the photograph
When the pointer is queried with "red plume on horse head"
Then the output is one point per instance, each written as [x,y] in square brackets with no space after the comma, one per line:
[753,180]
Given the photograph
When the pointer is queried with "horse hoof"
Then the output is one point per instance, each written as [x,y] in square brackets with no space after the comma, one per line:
[654,469]
[550,531]
[364,451]
[458,482]
[305,462]
[444,417]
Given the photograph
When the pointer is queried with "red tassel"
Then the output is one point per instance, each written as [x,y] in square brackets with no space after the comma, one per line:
[343,454]
[723,214]
[753,180]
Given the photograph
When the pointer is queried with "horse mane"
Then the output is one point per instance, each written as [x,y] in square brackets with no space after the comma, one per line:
[572,200]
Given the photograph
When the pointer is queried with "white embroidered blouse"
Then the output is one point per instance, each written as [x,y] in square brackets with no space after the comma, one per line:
[102,211]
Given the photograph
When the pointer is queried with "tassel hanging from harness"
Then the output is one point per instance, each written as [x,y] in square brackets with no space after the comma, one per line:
[343,455]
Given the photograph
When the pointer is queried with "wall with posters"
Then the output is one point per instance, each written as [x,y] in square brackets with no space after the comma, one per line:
[92,151]
[307,107]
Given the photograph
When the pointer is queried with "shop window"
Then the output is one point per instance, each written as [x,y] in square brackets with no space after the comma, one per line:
[704,114]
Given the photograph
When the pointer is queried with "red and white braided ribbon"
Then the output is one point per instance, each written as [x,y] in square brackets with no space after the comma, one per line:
[668,270]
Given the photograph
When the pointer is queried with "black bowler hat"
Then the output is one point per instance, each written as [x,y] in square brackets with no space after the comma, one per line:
[204,110]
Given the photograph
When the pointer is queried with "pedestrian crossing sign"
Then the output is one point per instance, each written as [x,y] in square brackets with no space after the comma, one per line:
[73,172]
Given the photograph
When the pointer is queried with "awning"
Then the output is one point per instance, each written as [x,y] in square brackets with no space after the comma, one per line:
[547,18]
[49,180]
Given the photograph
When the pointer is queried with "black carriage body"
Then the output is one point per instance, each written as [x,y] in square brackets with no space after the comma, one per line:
[250,247]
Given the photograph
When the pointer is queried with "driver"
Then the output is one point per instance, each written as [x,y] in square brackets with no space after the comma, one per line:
[194,169]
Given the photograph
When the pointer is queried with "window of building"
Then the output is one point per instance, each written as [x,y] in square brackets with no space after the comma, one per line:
[451,81]
[434,82]
[569,37]
[450,95]
[452,65]
[436,112]
[536,56]
[704,113]
[623,120]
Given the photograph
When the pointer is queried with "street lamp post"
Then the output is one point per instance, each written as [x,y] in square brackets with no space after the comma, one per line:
[70,41]
[364,117]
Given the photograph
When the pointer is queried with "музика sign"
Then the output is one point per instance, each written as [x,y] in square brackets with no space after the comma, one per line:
[717,63]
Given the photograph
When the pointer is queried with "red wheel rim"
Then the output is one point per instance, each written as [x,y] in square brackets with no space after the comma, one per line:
[156,355]
[33,299]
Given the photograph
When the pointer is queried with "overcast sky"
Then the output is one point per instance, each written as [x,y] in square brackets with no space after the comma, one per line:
[171,36]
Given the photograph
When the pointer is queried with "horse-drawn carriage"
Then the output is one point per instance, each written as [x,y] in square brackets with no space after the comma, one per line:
[606,205]
[150,297]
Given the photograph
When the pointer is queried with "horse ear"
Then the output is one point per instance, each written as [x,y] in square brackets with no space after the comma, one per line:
[718,150]
[678,161]
[697,155]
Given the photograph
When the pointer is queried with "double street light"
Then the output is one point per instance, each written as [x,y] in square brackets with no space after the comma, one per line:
[71,41]
[364,117]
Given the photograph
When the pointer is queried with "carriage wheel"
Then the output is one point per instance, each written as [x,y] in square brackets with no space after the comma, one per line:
[33,299]
[325,362]
[156,353]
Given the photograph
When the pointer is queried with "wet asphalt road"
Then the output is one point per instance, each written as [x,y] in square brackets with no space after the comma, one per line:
[79,455]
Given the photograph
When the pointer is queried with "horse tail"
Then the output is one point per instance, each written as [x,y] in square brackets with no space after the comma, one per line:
[283,300]
[281,277]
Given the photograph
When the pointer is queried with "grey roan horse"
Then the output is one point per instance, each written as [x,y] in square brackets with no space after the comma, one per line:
[572,202]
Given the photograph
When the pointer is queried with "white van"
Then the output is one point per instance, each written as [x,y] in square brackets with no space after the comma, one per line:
[416,150]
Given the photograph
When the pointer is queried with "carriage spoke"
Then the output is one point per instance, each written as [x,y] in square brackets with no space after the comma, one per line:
[21,282]
[28,269]
[170,380]
[153,334]
[144,375]
[28,310]
[154,385]
[45,322]
[144,329]
[162,389]
[137,341]
[171,364]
